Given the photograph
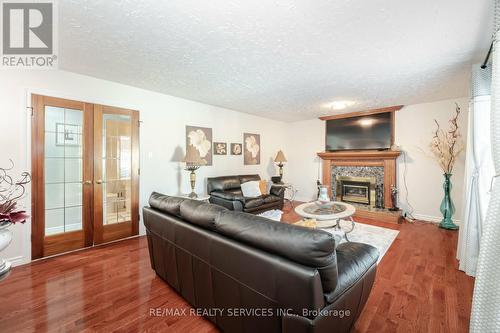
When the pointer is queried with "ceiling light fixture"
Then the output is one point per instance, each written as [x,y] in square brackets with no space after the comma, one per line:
[340,105]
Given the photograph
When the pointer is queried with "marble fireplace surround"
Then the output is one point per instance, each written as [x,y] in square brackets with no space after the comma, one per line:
[378,164]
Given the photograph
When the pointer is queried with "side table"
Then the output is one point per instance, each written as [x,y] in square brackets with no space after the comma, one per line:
[290,191]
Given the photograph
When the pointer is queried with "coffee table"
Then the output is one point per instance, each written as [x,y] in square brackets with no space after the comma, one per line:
[328,217]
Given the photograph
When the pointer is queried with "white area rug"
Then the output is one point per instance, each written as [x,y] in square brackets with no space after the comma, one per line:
[379,237]
[274,214]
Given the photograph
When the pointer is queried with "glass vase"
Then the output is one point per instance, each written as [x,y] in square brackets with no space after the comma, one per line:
[447,207]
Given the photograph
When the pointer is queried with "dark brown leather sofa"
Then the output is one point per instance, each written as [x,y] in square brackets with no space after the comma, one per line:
[246,273]
[226,192]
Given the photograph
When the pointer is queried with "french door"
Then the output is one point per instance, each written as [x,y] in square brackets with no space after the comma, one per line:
[85,175]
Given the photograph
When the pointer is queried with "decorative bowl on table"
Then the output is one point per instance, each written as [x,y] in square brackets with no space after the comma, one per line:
[324,203]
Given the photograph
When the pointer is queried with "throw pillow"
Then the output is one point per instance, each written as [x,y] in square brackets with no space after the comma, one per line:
[263,187]
[251,189]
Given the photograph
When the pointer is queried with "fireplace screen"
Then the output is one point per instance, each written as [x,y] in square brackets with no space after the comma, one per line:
[358,192]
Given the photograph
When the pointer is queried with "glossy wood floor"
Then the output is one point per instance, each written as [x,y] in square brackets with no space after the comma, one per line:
[113,289]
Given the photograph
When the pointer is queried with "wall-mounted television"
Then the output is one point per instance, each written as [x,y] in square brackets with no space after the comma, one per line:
[359,133]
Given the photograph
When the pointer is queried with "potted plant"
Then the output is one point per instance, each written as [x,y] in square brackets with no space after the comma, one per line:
[11,192]
[446,146]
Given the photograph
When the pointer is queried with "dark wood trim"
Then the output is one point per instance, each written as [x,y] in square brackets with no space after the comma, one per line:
[64,242]
[359,155]
[135,172]
[98,209]
[37,183]
[88,173]
[363,113]
[393,128]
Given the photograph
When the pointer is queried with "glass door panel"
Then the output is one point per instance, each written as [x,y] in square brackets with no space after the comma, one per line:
[116,164]
[63,165]
[61,135]
[116,148]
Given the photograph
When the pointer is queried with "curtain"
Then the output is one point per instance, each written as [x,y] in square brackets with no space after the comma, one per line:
[485,315]
[478,172]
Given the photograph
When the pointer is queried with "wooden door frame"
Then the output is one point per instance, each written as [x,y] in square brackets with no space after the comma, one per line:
[41,245]
[124,229]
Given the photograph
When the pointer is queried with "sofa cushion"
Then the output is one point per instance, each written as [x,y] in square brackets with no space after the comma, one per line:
[247,178]
[315,248]
[223,183]
[268,198]
[200,213]
[229,195]
[165,203]
[253,202]
[251,189]
[353,261]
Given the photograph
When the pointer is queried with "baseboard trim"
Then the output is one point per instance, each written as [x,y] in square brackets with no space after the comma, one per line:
[432,219]
[17,261]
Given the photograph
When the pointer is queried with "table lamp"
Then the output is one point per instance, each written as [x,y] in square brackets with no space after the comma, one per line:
[280,159]
[193,162]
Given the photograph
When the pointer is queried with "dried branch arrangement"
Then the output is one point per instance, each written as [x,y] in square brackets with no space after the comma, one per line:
[11,192]
[446,146]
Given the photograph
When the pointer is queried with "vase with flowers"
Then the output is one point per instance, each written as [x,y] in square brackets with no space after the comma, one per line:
[446,146]
[11,192]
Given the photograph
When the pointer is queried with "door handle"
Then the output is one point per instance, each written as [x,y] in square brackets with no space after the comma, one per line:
[87,182]
[98,181]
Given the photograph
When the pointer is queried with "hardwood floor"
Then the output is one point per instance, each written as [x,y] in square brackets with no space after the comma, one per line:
[113,289]
[418,287]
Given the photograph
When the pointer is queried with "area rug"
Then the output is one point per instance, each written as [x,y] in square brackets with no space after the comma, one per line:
[379,237]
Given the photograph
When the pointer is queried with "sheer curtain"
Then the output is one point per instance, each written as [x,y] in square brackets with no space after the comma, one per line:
[478,172]
[486,299]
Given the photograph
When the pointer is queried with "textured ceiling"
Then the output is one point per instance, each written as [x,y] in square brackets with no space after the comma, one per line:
[280,59]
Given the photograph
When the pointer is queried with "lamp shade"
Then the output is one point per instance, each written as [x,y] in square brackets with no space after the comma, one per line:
[192,156]
[280,157]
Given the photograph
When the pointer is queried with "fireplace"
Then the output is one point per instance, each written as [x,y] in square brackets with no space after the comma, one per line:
[360,190]
[376,167]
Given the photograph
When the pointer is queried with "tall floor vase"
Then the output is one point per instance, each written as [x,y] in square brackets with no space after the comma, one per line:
[447,206]
[5,239]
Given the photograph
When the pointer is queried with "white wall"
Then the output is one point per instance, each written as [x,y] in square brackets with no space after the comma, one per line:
[414,129]
[414,125]
[162,133]
[162,140]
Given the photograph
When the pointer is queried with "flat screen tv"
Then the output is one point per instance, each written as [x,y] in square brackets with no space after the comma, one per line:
[358,133]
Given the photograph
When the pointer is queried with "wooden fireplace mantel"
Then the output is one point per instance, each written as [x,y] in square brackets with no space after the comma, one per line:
[360,154]
[384,158]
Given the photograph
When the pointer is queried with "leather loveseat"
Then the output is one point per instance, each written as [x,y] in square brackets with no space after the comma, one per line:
[226,192]
[246,273]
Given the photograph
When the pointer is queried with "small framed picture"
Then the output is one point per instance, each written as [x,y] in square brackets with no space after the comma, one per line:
[236,149]
[220,148]
[68,135]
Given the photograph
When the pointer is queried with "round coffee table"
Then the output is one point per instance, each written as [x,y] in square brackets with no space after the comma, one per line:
[329,217]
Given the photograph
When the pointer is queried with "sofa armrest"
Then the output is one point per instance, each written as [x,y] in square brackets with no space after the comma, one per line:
[354,261]
[228,196]
[278,191]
